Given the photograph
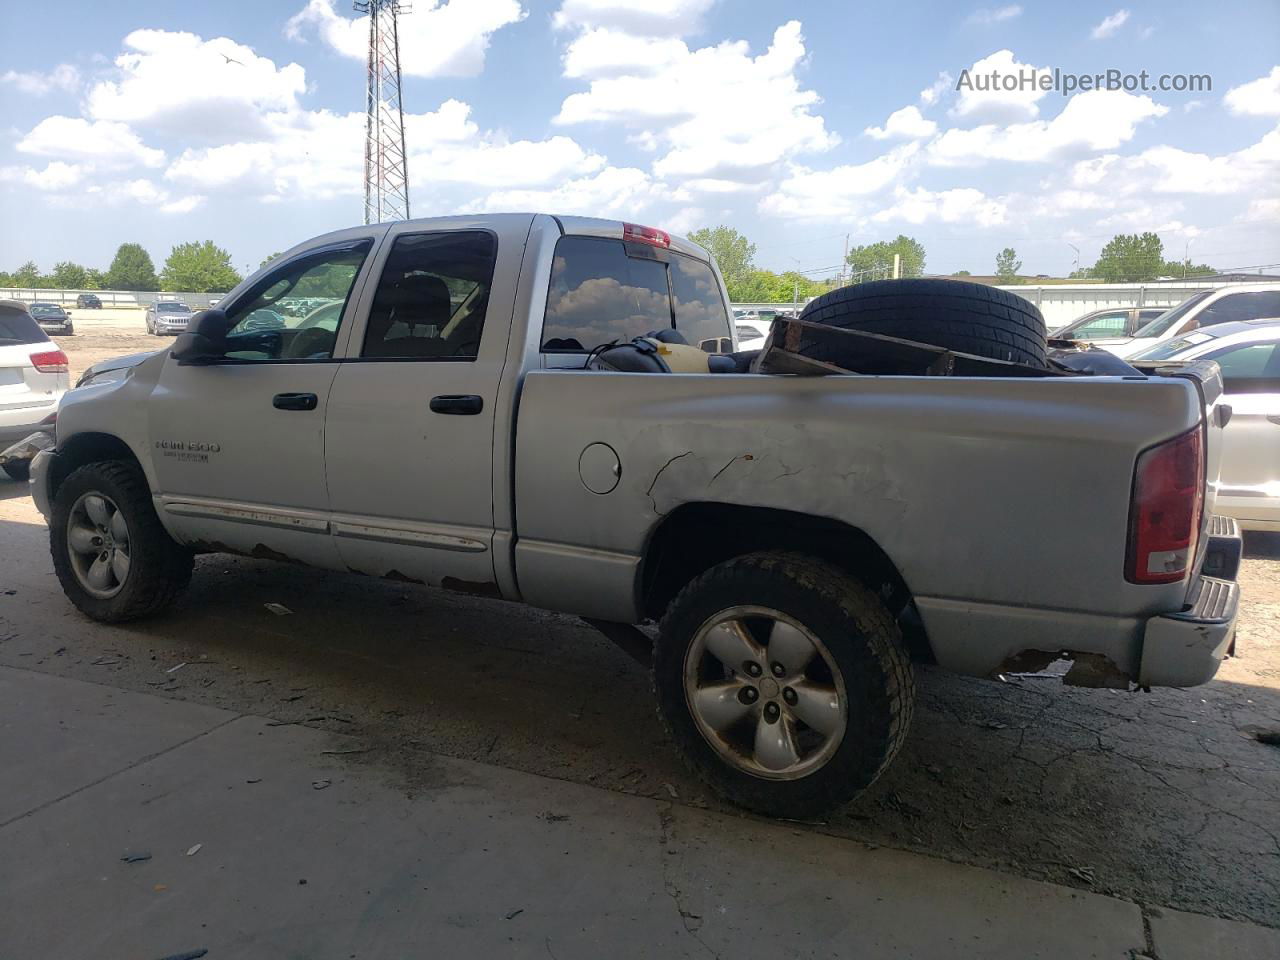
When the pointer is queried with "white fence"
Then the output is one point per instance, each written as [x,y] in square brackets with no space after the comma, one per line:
[109,298]
[1062,303]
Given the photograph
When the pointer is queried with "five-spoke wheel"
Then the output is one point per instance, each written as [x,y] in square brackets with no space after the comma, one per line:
[98,541]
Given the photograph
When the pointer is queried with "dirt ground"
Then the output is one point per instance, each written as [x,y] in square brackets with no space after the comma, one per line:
[94,342]
[1166,799]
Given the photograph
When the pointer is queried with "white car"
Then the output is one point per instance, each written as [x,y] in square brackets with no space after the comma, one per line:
[1239,301]
[33,378]
[1248,352]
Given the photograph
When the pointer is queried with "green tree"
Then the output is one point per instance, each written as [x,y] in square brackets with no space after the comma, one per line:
[95,279]
[1007,265]
[68,275]
[269,258]
[1130,258]
[875,261]
[27,275]
[1180,268]
[733,253]
[132,269]
[199,268]
[962,273]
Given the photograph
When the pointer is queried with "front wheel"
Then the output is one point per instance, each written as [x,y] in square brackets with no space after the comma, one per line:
[784,682]
[114,559]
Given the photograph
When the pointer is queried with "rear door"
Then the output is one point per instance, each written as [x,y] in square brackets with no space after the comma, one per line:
[1251,441]
[409,434]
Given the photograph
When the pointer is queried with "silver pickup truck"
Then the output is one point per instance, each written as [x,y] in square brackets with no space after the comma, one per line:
[430,417]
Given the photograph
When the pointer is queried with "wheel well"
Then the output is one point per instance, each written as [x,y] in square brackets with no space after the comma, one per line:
[697,536]
[86,448]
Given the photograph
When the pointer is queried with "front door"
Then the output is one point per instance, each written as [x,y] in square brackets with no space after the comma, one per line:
[410,428]
[238,443]
[1250,476]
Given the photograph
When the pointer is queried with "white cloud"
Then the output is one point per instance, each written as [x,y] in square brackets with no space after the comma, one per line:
[1192,105]
[194,88]
[182,204]
[56,175]
[602,52]
[1258,98]
[932,93]
[1095,120]
[63,77]
[839,192]
[962,205]
[654,18]
[436,39]
[989,15]
[101,141]
[1110,25]
[614,190]
[748,112]
[907,122]
[983,95]
[1167,169]
[1263,210]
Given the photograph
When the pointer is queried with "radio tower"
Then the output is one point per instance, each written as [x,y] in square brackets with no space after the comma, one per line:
[386,169]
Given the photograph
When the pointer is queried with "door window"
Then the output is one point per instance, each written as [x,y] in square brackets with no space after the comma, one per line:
[602,292]
[1254,368]
[1105,325]
[431,300]
[293,313]
[1241,306]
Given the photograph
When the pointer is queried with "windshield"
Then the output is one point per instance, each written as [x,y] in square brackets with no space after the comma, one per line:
[171,307]
[1166,320]
[46,310]
[1171,348]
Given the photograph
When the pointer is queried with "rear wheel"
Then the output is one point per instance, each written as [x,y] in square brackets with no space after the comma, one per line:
[966,317]
[112,556]
[784,683]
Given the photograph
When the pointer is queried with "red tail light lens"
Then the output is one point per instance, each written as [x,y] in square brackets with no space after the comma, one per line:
[1164,517]
[51,361]
[634,233]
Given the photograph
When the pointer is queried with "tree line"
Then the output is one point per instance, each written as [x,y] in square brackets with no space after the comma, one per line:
[197,267]
[1127,258]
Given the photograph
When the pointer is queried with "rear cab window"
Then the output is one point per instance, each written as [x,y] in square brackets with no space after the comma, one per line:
[18,329]
[605,291]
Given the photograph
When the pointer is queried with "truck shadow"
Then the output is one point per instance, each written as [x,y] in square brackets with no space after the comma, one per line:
[1165,797]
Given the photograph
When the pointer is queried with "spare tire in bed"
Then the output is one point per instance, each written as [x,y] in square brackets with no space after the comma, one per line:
[966,317]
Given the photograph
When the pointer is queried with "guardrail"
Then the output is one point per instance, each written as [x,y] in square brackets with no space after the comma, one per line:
[109,298]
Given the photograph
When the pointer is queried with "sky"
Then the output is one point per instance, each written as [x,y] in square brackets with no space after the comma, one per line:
[796,123]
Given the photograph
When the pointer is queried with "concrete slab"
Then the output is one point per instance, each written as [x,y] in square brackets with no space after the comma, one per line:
[58,736]
[1189,936]
[309,851]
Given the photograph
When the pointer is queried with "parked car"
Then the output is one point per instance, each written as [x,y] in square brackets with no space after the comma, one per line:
[1108,324]
[167,317]
[88,301]
[1239,301]
[1248,352]
[799,539]
[52,318]
[33,378]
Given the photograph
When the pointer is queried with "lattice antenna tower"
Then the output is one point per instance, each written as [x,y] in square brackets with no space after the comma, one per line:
[386,163]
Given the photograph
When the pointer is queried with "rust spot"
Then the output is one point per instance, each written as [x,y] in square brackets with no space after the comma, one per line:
[209,546]
[1026,661]
[474,587]
[399,577]
[1095,670]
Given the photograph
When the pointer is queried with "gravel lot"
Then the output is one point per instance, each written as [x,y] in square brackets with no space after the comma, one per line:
[1167,799]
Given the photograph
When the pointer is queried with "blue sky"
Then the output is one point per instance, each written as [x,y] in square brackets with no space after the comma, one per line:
[795,123]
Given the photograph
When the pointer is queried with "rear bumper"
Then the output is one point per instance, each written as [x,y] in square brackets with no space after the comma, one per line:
[31,420]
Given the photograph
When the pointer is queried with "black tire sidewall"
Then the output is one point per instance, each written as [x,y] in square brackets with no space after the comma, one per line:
[19,470]
[155,561]
[868,741]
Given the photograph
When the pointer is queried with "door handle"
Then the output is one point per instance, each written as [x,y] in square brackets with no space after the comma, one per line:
[457,404]
[294,401]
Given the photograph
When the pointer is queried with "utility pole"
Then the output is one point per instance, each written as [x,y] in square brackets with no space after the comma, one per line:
[844,261]
[1076,268]
[386,165]
[1186,257]
[897,265]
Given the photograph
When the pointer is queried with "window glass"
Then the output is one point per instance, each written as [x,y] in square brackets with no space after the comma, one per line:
[747,334]
[1105,325]
[1242,306]
[600,295]
[18,328]
[1171,348]
[431,300]
[1167,319]
[265,324]
[699,307]
[1254,368]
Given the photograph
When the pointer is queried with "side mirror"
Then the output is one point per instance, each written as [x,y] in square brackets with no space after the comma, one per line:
[205,339]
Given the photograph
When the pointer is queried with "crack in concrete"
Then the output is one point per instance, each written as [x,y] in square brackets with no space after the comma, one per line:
[689,920]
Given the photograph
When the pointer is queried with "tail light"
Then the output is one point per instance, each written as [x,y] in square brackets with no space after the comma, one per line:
[634,233]
[1164,516]
[51,361]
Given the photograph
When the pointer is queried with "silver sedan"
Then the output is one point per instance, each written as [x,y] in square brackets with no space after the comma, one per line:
[1249,354]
